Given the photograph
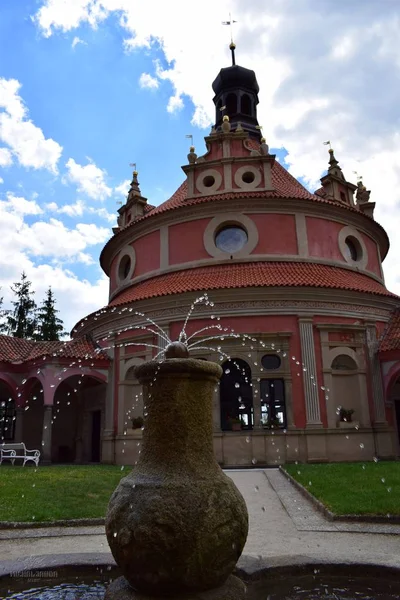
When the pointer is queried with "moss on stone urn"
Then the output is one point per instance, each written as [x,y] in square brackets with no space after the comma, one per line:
[177,524]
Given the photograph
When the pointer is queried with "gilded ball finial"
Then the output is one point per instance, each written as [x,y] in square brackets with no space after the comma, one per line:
[263,140]
[192,148]
[225,118]
[232,46]
[135,173]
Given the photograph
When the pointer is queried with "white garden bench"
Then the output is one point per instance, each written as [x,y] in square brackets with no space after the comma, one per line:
[17,450]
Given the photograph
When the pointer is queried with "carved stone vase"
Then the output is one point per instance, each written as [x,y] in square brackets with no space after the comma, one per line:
[176,525]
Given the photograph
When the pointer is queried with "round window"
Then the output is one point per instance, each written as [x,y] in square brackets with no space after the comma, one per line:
[208,181]
[124,267]
[231,239]
[248,177]
[353,249]
[271,361]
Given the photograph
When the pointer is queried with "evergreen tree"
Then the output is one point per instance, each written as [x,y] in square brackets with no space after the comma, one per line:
[49,326]
[3,314]
[21,320]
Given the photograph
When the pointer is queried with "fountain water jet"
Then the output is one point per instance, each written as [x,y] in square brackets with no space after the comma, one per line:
[177,525]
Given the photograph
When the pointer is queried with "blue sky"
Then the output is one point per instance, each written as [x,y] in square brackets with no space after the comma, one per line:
[89,86]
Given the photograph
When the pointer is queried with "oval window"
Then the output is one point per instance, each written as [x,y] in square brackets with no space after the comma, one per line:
[353,249]
[124,267]
[271,361]
[231,239]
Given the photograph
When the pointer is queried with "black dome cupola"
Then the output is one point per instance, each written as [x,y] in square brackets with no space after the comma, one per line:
[236,89]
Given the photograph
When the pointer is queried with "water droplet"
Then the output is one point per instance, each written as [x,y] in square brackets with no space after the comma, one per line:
[361,446]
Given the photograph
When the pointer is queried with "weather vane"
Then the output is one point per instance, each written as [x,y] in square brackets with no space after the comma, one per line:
[190,137]
[328,143]
[133,165]
[359,177]
[232,45]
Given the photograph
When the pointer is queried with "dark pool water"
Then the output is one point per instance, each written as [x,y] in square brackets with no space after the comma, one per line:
[315,587]
[92,585]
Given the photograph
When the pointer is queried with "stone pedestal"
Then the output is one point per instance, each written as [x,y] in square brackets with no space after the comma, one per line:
[232,589]
[177,525]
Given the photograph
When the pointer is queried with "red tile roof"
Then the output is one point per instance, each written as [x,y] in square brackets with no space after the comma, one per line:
[285,186]
[257,274]
[390,339]
[18,350]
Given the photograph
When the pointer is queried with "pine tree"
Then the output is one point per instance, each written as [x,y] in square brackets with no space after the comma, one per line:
[49,326]
[3,314]
[21,320]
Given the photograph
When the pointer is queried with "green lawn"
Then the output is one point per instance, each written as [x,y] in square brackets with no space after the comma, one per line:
[353,488]
[57,492]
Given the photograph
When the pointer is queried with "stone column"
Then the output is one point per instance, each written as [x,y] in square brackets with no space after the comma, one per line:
[19,424]
[377,387]
[308,356]
[46,434]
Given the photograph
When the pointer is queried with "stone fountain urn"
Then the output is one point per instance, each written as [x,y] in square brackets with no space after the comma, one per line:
[176,525]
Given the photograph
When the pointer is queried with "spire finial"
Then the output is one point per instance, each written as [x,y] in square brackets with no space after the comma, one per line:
[232,45]
[134,190]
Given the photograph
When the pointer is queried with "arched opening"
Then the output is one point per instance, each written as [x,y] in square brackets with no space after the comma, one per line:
[245,105]
[78,417]
[346,389]
[236,395]
[32,415]
[231,104]
[343,362]
[133,399]
[394,397]
[7,413]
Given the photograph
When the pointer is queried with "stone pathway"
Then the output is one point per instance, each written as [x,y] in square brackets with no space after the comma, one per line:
[307,518]
[282,524]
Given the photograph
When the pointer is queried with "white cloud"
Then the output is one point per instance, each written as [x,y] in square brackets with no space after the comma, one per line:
[89,179]
[123,188]
[21,206]
[315,84]
[77,40]
[104,214]
[25,140]
[1,180]
[148,81]
[175,103]
[72,210]
[5,157]
[51,206]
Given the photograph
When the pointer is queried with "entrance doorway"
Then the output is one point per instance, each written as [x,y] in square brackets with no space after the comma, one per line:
[96,431]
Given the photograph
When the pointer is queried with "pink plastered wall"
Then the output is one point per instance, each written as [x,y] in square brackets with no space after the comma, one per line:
[373,257]
[147,250]
[276,234]
[186,241]
[322,238]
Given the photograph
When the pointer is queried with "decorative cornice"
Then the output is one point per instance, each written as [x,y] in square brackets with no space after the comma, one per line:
[248,302]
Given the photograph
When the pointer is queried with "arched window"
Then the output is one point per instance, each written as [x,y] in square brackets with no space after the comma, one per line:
[231,104]
[273,408]
[343,362]
[7,419]
[236,395]
[245,105]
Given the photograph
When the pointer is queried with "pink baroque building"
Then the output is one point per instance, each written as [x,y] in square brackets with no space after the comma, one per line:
[300,273]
